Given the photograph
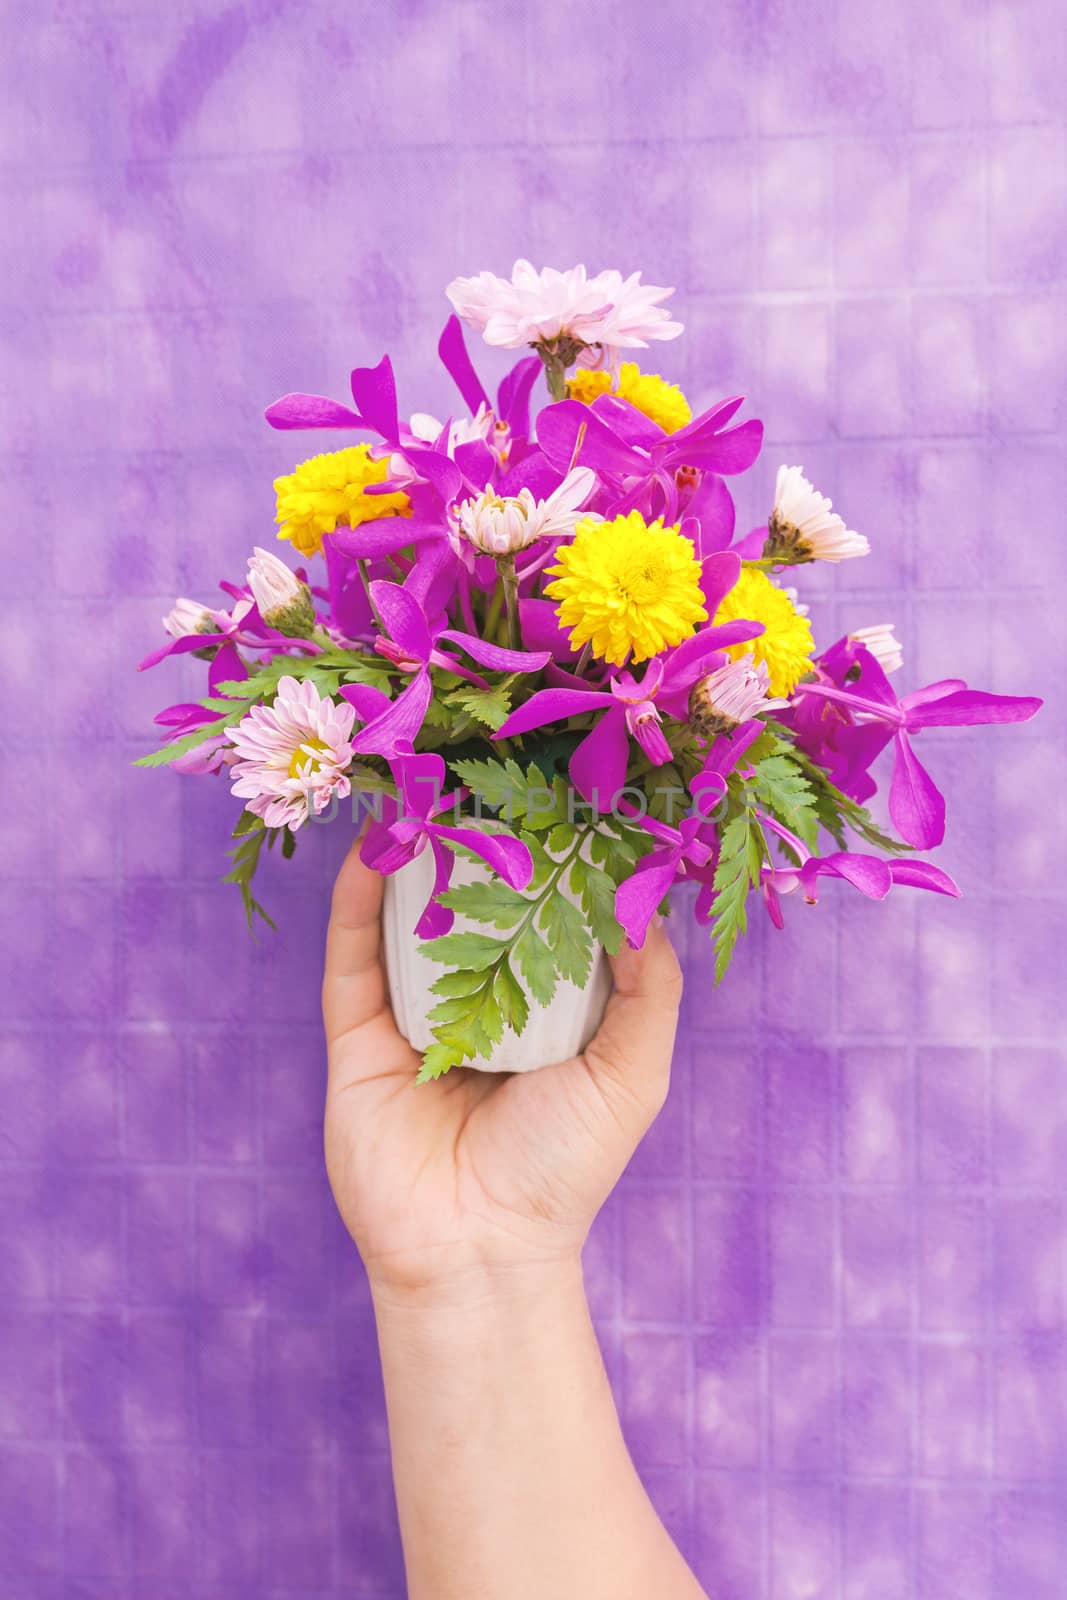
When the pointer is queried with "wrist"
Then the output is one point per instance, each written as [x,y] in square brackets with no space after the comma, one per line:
[469,1289]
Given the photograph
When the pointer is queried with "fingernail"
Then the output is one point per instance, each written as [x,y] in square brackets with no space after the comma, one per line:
[658,919]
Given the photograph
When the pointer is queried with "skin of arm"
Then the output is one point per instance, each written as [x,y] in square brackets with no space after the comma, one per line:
[470,1200]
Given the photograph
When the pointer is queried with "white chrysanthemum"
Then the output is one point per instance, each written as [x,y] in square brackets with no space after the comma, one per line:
[805,527]
[499,525]
[543,307]
[883,644]
[292,756]
[730,695]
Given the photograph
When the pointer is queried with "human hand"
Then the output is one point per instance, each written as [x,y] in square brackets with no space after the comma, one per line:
[443,1185]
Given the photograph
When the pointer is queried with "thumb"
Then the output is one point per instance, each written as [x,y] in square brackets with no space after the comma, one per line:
[630,1055]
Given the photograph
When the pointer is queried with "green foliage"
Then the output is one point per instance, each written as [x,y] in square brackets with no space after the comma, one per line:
[251,835]
[741,854]
[544,935]
[782,789]
[490,707]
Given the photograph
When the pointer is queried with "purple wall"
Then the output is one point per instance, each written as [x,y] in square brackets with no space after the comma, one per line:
[832,1287]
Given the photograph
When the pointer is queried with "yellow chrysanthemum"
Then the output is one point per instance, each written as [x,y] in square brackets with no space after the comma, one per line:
[627,586]
[786,644]
[327,492]
[663,402]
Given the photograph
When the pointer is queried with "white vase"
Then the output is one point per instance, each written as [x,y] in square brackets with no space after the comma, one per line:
[553,1033]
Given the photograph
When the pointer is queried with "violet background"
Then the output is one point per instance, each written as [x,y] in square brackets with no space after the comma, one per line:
[831,1288]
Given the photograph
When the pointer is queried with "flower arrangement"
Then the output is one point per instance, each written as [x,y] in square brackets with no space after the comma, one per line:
[536,644]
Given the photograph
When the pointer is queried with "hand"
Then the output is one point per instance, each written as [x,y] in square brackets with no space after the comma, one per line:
[478,1174]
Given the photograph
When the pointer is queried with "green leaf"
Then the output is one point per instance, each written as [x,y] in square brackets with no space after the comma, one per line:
[561,838]
[492,903]
[487,706]
[735,875]
[510,997]
[568,936]
[251,834]
[439,1059]
[473,950]
[535,962]
[597,894]
[451,984]
[782,788]
[543,864]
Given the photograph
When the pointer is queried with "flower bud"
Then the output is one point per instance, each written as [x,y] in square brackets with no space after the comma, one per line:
[188,617]
[730,695]
[883,644]
[284,602]
[804,526]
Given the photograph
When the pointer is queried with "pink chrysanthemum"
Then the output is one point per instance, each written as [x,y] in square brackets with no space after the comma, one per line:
[292,755]
[534,307]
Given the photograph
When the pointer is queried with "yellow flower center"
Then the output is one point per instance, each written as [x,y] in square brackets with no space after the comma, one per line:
[663,402]
[627,587]
[786,644]
[308,759]
[328,492]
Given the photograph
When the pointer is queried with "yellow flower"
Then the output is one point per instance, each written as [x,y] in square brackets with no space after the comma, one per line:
[786,644]
[327,492]
[627,586]
[663,402]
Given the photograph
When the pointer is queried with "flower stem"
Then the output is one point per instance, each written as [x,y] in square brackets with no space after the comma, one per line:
[492,615]
[556,376]
[583,659]
[365,577]
[509,579]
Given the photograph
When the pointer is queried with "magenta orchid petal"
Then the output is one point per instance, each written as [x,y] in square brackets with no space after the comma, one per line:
[708,789]
[403,618]
[434,577]
[718,575]
[226,666]
[598,765]
[916,805]
[966,707]
[400,723]
[539,624]
[552,705]
[382,849]
[496,656]
[476,462]
[367,701]
[711,506]
[374,391]
[638,897]
[513,395]
[382,537]
[452,348]
[726,453]
[420,782]
[868,874]
[437,919]
[312,411]
[507,856]
[438,469]
[558,429]
[711,421]
[631,425]
[727,751]
[534,472]
[923,875]
[349,607]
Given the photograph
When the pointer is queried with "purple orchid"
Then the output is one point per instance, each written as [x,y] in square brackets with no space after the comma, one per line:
[407,826]
[685,852]
[649,470]
[916,805]
[871,875]
[411,644]
[633,709]
[242,625]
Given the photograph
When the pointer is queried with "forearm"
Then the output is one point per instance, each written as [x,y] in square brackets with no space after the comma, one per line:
[512,1477]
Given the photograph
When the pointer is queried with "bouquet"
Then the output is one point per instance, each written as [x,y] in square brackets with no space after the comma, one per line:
[535,651]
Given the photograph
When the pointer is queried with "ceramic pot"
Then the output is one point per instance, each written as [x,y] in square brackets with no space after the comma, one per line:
[553,1033]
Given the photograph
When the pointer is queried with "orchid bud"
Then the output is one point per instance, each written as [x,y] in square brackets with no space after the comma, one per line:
[284,602]
[730,695]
